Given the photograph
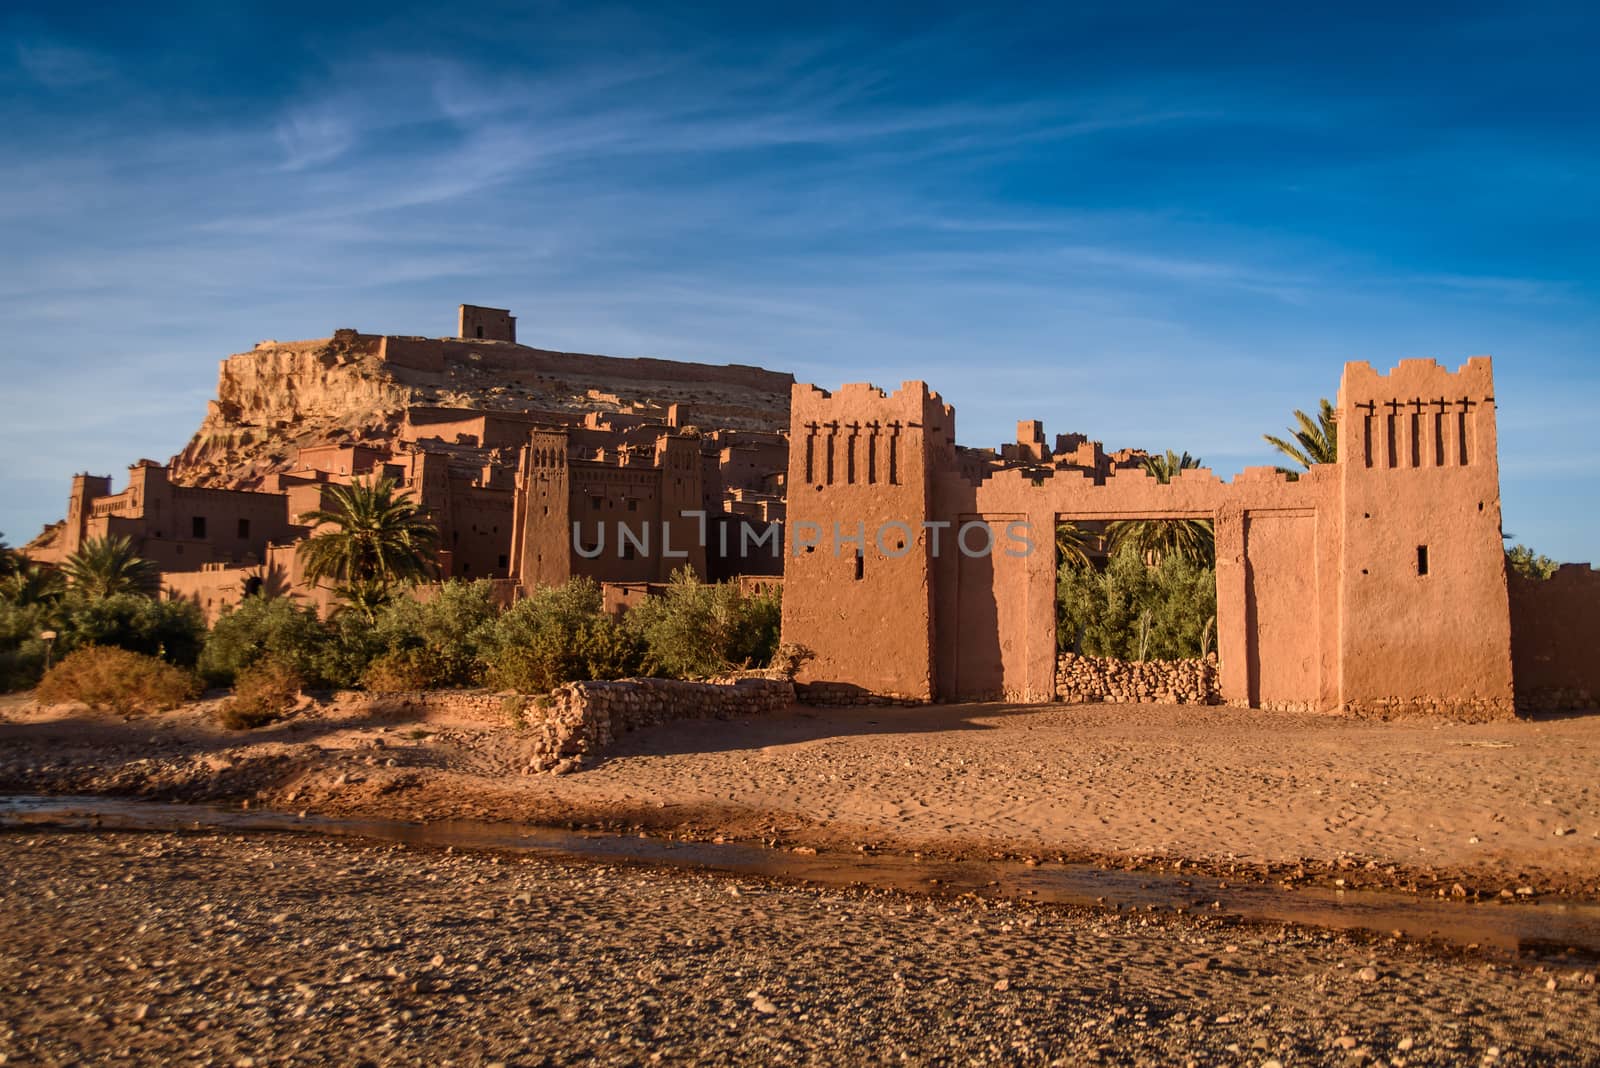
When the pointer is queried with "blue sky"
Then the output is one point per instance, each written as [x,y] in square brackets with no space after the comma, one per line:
[1161,225]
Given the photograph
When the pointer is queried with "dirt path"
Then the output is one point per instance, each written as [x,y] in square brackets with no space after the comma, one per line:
[219,949]
[1493,807]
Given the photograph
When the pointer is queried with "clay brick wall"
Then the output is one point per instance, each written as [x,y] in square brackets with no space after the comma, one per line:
[486,324]
[1342,589]
[1555,639]
[1421,550]
[860,462]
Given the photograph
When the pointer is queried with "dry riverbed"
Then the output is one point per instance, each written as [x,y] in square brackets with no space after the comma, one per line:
[264,950]
[1483,810]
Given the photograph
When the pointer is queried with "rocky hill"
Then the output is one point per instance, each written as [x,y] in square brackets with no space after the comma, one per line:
[355,388]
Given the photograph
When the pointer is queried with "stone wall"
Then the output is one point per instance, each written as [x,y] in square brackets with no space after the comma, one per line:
[574,724]
[1101,678]
[582,719]
[844,693]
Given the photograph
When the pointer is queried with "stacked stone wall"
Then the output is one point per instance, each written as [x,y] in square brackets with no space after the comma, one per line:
[574,724]
[583,719]
[844,693]
[1081,679]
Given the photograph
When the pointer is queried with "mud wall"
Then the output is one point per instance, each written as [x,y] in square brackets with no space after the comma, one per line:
[1555,635]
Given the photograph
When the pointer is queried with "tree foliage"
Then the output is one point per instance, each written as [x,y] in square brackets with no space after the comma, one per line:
[1156,539]
[438,642]
[105,567]
[171,630]
[1312,440]
[559,634]
[377,538]
[696,628]
[1524,561]
[261,627]
[29,584]
[1135,611]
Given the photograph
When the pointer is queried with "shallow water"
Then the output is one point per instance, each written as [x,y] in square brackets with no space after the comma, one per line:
[1554,930]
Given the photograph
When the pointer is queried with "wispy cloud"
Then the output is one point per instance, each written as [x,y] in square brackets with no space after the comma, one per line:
[1155,254]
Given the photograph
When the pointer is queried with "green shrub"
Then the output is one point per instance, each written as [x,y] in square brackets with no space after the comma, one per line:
[1136,612]
[261,627]
[438,642]
[405,669]
[1524,561]
[262,693]
[171,630]
[560,634]
[117,679]
[22,653]
[696,629]
[351,645]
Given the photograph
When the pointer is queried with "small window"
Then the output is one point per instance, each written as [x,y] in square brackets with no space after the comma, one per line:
[502,560]
[480,331]
[861,565]
[197,526]
[633,504]
[594,504]
[244,528]
[1422,559]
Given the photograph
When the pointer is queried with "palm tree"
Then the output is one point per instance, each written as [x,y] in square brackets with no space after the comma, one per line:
[1316,442]
[1155,539]
[377,538]
[31,584]
[10,559]
[1072,544]
[105,566]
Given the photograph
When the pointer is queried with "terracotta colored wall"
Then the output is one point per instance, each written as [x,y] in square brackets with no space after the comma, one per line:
[1321,599]
[1419,471]
[487,324]
[861,460]
[1555,639]
[1025,643]
[1282,608]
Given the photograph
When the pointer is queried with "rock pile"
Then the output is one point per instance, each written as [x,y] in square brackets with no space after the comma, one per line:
[1102,678]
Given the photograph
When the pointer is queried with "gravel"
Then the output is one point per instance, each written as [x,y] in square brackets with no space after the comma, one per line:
[273,949]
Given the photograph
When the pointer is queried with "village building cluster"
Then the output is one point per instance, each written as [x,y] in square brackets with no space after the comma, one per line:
[515,494]
[1375,585]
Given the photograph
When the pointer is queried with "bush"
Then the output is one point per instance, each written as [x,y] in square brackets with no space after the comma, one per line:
[171,630]
[1132,611]
[1524,561]
[260,627]
[560,634]
[351,644]
[405,669]
[696,629]
[22,654]
[438,642]
[117,679]
[263,692]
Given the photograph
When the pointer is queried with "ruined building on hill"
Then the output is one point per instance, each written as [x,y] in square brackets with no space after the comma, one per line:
[508,449]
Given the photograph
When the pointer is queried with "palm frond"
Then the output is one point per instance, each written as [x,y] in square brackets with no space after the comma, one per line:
[1317,440]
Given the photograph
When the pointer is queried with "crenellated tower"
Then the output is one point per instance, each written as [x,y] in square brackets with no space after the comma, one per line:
[1423,612]
[857,588]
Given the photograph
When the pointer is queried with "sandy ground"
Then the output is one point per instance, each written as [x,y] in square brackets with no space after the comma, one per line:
[266,950]
[1495,807]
